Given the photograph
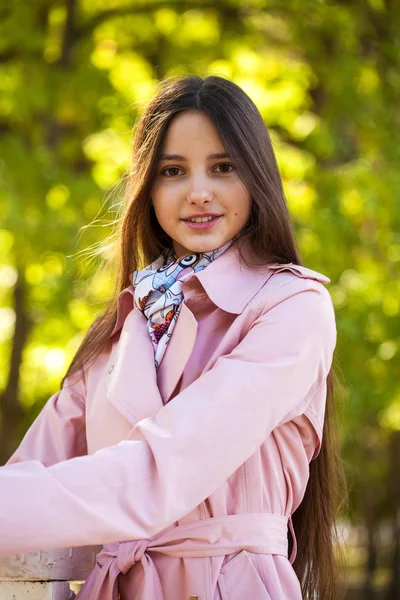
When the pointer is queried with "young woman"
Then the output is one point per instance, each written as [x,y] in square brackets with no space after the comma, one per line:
[198,414]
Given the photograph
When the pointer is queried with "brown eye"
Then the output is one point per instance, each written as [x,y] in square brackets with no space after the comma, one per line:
[169,169]
[224,169]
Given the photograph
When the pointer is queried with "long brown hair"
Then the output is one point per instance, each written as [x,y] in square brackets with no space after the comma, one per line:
[140,239]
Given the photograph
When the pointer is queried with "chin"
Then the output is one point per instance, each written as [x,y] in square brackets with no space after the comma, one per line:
[205,247]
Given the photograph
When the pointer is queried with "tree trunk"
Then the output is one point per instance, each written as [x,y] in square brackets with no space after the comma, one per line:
[10,408]
[393,592]
[369,517]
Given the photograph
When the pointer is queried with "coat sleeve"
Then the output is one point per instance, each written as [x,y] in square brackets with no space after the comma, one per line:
[59,432]
[174,460]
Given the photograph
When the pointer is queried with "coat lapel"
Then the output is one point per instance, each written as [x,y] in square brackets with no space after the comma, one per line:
[133,386]
[178,352]
[132,381]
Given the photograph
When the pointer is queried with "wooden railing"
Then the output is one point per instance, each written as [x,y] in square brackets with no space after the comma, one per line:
[45,575]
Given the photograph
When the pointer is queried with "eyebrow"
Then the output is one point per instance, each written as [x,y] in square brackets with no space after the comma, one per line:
[179,157]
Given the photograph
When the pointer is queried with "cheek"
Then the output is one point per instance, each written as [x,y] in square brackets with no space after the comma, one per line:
[163,205]
[242,209]
[241,201]
[160,212]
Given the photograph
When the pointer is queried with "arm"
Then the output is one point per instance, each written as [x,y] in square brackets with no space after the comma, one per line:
[58,433]
[173,461]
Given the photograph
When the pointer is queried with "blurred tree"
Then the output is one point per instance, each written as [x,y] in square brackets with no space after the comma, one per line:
[325,75]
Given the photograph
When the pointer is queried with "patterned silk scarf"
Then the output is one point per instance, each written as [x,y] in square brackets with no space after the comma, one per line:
[158,292]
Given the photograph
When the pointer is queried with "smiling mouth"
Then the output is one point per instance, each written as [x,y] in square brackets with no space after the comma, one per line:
[206,224]
[202,219]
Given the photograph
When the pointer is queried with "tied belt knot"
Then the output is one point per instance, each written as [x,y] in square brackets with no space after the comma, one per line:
[260,533]
[130,553]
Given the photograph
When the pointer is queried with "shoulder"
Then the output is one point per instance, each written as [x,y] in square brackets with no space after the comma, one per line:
[285,280]
[290,269]
[296,288]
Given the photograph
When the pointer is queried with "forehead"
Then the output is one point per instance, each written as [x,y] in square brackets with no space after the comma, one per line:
[191,127]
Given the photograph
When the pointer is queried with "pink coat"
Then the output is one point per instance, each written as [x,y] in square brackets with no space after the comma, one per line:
[189,475]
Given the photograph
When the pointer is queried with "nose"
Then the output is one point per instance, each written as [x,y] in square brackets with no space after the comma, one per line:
[199,191]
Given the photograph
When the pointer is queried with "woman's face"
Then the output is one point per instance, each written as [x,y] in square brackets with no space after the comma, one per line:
[195,176]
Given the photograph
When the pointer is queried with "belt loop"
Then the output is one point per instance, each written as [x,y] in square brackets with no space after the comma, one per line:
[294,549]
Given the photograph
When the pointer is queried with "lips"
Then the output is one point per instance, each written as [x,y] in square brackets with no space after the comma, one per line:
[200,217]
[200,225]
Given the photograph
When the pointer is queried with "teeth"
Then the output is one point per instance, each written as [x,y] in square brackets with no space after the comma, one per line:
[201,219]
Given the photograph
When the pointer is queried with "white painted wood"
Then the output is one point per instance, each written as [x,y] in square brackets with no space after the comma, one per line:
[64,564]
[35,590]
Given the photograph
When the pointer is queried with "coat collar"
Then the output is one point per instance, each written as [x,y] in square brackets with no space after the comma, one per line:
[228,283]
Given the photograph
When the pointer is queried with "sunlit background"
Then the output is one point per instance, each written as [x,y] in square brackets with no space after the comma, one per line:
[74,75]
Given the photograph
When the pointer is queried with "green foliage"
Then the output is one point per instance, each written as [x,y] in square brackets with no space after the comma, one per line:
[325,76]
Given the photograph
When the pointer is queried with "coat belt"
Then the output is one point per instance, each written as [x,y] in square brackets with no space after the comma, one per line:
[261,533]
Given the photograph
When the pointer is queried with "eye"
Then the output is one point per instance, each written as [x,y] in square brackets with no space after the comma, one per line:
[174,174]
[226,165]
